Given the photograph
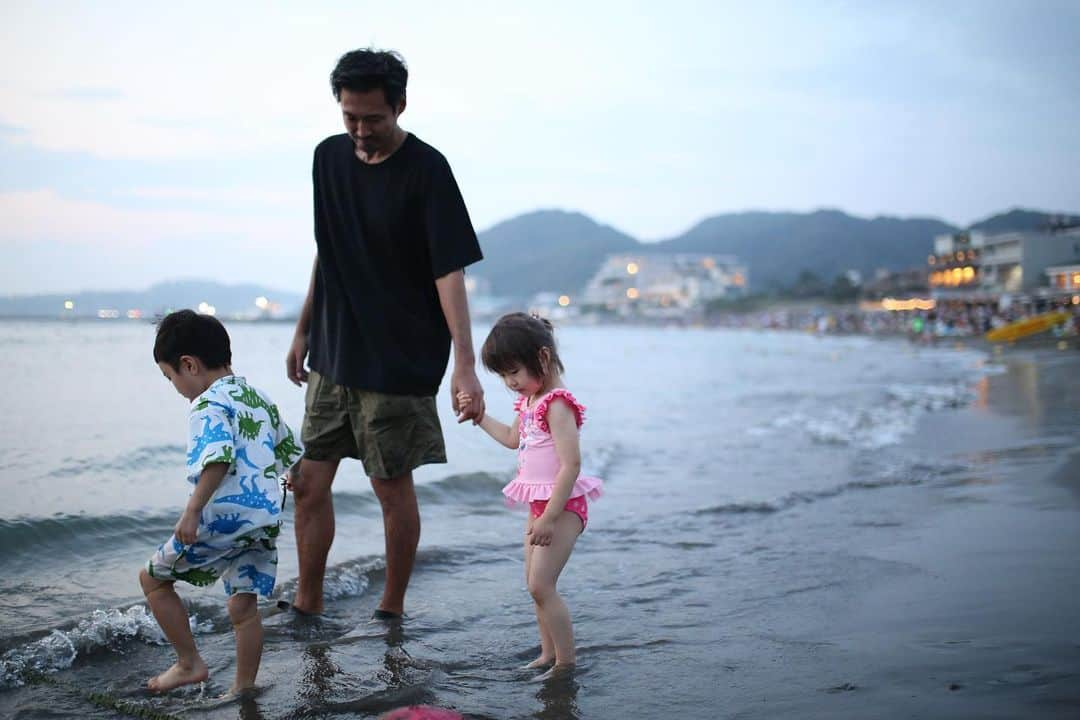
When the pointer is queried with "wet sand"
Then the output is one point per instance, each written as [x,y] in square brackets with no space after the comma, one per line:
[978,616]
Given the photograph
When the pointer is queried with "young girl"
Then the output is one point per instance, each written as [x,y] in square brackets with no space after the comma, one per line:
[521,349]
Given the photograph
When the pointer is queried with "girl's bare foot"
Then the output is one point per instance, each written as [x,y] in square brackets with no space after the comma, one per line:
[539,663]
[556,672]
[177,676]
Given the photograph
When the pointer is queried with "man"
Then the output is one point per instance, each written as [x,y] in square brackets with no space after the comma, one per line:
[387,297]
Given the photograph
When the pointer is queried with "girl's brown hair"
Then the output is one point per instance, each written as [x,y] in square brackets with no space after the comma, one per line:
[516,341]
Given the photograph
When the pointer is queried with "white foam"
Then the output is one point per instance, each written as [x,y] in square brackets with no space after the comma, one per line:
[878,426]
[108,629]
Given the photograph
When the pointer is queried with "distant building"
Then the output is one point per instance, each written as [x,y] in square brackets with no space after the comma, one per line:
[1064,278]
[664,284]
[973,264]
[887,283]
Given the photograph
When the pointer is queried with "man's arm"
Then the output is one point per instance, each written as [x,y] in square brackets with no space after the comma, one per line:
[294,361]
[455,307]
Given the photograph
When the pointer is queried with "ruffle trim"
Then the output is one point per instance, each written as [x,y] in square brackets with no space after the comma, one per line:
[522,493]
[540,413]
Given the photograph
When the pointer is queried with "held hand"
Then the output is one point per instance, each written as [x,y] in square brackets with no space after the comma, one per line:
[541,532]
[464,383]
[187,528]
[294,361]
[292,477]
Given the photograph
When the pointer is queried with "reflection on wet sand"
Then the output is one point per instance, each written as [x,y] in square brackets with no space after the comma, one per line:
[558,693]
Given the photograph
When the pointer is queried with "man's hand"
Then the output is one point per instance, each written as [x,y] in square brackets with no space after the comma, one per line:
[187,528]
[465,383]
[294,361]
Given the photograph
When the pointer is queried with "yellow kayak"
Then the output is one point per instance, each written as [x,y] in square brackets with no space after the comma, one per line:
[1028,326]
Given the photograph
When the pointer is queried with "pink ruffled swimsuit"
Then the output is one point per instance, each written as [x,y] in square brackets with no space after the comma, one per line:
[538,463]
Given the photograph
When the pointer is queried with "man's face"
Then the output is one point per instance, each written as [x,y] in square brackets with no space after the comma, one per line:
[370,121]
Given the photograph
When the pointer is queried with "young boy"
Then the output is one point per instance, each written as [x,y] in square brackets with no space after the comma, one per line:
[238,448]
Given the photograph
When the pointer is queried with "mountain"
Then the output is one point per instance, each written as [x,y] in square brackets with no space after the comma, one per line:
[778,246]
[546,250]
[559,251]
[228,300]
[1019,219]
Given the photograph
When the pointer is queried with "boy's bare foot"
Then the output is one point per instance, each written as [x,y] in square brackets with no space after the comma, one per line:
[177,676]
[539,663]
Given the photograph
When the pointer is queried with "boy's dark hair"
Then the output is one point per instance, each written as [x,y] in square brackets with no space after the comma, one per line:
[185,332]
[367,69]
[516,341]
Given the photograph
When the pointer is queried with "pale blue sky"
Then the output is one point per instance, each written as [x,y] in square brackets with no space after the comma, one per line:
[144,141]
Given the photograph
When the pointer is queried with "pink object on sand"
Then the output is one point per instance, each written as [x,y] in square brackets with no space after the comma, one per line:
[421,712]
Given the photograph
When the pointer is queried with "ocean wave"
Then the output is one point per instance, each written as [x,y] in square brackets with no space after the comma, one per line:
[77,530]
[138,461]
[468,488]
[874,426]
[113,629]
[110,630]
[918,474]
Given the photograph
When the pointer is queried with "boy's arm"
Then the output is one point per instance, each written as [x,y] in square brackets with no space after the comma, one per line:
[564,431]
[210,479]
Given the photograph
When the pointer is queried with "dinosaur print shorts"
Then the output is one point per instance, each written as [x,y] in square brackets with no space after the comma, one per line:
[244,563]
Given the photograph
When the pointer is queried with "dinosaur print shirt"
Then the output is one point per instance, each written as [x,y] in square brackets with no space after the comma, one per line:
[233,423]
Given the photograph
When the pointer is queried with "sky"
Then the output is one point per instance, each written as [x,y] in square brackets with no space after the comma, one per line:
[141,142]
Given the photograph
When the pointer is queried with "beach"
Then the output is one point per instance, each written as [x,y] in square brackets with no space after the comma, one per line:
[793,526]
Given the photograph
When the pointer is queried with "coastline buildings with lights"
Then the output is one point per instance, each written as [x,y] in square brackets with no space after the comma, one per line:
[229,302]
[974,266]
[662,285]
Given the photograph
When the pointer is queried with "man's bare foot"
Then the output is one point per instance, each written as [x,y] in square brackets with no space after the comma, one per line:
[236,691]
[177,676]
[539,663]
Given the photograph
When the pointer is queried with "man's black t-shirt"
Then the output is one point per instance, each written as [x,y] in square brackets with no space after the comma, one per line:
[385,232]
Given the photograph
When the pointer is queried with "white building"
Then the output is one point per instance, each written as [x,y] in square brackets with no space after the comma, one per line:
[664,284]
[1064,278]
[969,264]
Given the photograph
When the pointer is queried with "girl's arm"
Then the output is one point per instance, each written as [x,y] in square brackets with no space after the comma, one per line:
[562,422]
[506,435]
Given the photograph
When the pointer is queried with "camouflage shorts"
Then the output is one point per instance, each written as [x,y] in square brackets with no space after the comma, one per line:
[390,434]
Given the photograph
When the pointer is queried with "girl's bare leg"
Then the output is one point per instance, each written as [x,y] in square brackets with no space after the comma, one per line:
[544,569]
[547,646]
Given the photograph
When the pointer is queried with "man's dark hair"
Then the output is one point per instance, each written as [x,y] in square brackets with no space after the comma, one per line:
[367,69]
[516,341]
[185,332]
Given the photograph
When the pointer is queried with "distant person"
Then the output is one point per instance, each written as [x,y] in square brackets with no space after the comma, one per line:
[521,349]
[387,297]
[238,449]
